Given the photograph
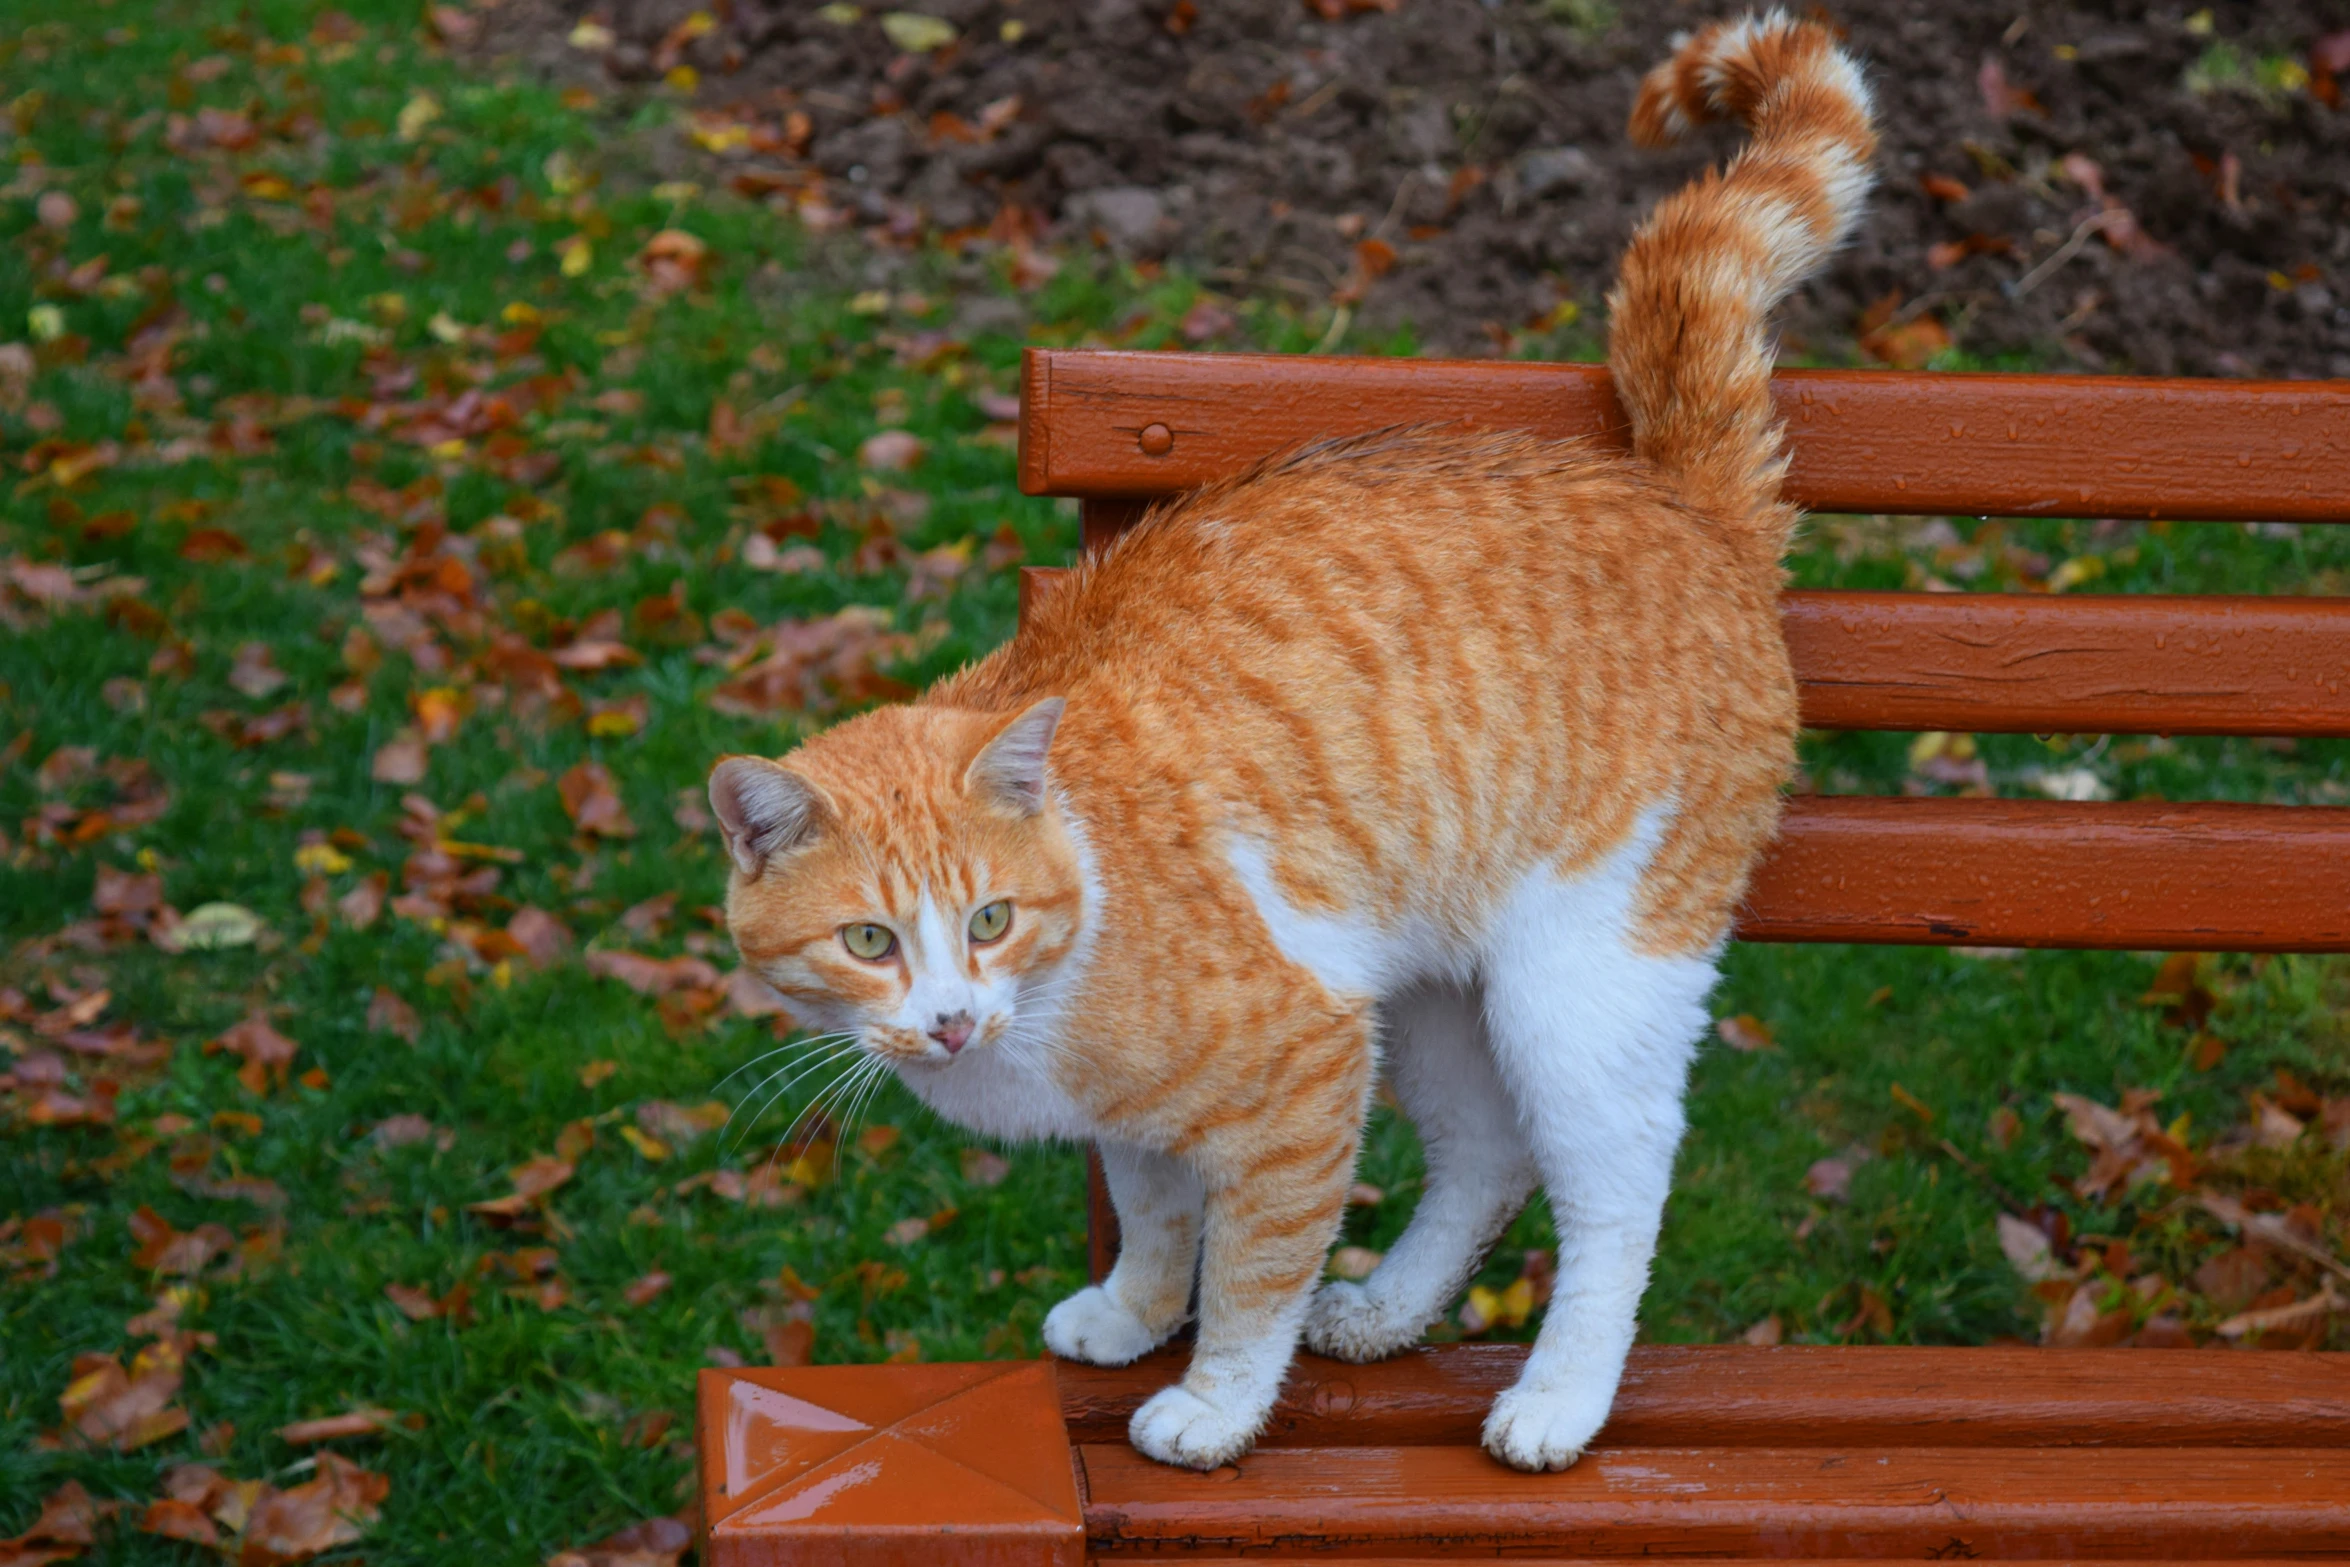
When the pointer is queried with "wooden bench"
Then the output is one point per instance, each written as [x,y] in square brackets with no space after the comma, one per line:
[1811,1453]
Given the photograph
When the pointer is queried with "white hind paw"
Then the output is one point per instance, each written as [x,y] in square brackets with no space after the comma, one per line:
[1536,1429]
[1179,1427]
[1347,1322]
[1091,1327]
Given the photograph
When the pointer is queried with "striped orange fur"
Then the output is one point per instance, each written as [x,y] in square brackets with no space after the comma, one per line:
[1440,750]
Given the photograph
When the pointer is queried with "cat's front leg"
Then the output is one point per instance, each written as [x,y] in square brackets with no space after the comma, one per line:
[1268,1233]
[1148,1294]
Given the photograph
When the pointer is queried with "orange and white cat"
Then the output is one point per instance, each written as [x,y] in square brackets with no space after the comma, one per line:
[1440,753]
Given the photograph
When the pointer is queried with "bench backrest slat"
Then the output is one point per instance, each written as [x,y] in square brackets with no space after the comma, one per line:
[1973,872]
[1860,440]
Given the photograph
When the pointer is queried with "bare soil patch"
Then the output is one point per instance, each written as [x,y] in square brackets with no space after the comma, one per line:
[2109,185]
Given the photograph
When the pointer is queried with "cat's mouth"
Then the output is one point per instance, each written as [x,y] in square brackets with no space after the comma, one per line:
[908,1047]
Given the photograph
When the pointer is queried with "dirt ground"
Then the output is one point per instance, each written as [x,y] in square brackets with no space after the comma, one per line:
[2112,186]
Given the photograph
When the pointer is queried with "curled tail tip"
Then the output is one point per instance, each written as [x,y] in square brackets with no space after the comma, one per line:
[1724,71]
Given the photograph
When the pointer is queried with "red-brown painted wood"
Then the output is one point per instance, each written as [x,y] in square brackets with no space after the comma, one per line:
[1860,440]
[887,1466]
[1798,1396]
[2013,663]
[1648,1501]
[2140,874]
[2032,664]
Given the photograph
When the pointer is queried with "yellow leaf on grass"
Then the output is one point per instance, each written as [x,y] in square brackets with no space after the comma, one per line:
[417,113]
[645,1143]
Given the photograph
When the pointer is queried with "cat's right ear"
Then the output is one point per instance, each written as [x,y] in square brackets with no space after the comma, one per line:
[763,808]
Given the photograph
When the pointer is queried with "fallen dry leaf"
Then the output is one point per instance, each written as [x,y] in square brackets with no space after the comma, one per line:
[656,1542]
[268,1054]
[127,1408]
[327,1428]
[1355,1262]
[532,1181]
[1745,1032]
[646,1290]
[982,1167]
[335,1509]
[68,1522]
[402,759]
[388,1014]
[592,801]
[653,976]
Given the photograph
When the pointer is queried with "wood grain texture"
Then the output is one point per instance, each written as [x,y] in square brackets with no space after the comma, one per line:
[1719,1396]
[2015,663]
[1860,440]
[2032,664]
[2141,874]
[1626,1501]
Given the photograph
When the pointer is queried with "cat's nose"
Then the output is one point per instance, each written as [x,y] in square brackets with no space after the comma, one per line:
[953,1030]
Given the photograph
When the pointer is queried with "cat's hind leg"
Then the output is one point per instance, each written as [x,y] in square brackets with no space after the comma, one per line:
[1593,1038]
[1148,1293]
[1479,1172]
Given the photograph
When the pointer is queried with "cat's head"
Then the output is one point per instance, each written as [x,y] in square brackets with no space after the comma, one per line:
[904,876]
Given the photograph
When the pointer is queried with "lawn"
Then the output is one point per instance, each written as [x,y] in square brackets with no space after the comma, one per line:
[413,482]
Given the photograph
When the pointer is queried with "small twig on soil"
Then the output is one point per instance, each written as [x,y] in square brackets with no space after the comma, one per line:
[2092,224]
[1402,188]
[2269,1229]
[1340,319]
[2007,1199]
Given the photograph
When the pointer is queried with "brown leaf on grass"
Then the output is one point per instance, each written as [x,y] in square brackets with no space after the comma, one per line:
[815,665]
[647,1289]
[254,671]
[750,996]
[791,1342]
[1999,98]
[592,801]
[2179,990]
[982,1167]
[328,1428]
[177,1520]
[2082,1324]
[126,1408]
[891,451]
[388,1014]
[1830,1180]
[656,1542]
[68,1522]
[1766,1333]
[401,760]
[363,905]
[654,976]
[681,1124]
[543,938]
[337,1508]
[1354,1262]
[2131,1147]
[268,1054]
[532,1181]
[647,920]
[592,655]
[420,1305]
[163,1249]
[1745,1032]
[672,261]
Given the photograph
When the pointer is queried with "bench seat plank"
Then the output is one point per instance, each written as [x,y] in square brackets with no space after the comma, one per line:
[2136,875]
[1860,440]
[1620,1501]
[2016,663]
[1795,1396]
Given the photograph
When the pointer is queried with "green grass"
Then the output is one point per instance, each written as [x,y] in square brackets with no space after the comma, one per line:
[532,1432]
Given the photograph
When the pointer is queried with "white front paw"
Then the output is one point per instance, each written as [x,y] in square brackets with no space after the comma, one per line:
[1091,1327]
[1538,1428]
[1179,1427]
[1347,1322]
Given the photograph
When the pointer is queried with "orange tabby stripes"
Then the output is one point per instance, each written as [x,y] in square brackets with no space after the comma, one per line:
[1437,752]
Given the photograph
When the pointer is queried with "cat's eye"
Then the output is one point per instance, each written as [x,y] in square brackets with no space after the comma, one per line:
[870,942]
[991,922]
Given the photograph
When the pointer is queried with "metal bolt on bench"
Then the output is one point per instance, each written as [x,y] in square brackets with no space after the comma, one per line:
[1806,1453]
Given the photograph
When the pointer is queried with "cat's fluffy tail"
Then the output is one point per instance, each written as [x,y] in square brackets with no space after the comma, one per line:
[1688,340]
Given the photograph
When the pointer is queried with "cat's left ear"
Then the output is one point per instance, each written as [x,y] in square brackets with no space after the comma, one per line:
[1010,768]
